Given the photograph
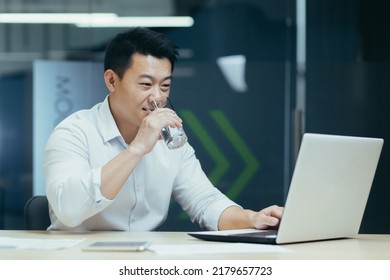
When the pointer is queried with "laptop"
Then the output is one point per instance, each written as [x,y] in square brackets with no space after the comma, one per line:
[328,192]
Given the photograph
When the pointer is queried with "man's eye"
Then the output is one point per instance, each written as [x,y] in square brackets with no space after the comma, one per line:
[165,86]
[146,84]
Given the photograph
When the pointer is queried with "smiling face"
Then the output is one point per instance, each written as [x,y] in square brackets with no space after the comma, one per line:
[148,77]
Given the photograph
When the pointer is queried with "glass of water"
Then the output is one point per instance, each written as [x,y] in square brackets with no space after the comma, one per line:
[174,137]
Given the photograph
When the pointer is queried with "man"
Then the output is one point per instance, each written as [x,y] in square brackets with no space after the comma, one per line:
[106,168]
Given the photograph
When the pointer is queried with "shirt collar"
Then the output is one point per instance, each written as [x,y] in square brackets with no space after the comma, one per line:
[107,124]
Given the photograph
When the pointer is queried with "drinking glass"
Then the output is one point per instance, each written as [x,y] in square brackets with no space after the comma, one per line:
[174,137]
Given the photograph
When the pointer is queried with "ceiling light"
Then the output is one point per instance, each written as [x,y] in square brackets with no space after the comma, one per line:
[56,18]
[174,21]
[98,20]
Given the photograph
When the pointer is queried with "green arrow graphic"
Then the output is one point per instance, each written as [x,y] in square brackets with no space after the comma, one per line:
[222,164]
[238,143]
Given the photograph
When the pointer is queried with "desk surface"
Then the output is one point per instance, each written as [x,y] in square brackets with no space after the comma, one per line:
[363,247]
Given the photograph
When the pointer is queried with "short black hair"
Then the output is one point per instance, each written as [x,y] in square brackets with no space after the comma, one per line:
[119,51]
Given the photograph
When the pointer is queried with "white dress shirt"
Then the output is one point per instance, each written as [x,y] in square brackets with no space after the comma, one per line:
[85,141]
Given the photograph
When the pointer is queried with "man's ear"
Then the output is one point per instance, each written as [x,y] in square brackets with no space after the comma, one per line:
[110,79]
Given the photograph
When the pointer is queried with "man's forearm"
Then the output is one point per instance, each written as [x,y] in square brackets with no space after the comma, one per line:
[117,171]
[234,217]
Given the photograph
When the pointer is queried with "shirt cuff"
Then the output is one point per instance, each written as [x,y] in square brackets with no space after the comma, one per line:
[98,198]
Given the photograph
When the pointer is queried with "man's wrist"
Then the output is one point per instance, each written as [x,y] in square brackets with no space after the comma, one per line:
[135,151]
[250,218]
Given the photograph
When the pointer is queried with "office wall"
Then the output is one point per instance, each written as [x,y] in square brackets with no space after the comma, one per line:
[348,84]
[15,142]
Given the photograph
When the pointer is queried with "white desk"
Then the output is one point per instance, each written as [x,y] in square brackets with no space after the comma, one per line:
[364,247]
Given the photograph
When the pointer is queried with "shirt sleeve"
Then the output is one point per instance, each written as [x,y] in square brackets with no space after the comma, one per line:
[72,186]
[203,202]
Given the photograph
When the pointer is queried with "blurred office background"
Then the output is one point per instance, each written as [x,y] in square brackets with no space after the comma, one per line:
[253,75]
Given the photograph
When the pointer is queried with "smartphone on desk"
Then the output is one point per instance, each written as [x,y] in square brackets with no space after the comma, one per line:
[129,246]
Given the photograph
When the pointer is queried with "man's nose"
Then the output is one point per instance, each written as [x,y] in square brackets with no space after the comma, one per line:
[156,92]
[156,99]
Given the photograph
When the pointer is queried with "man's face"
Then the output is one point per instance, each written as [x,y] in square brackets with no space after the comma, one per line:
[147,77]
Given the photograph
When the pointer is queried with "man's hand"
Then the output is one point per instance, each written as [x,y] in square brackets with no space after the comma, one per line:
[268,217]
[237,218]
[149,131]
